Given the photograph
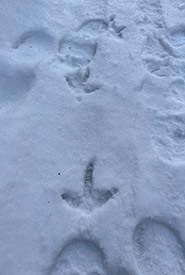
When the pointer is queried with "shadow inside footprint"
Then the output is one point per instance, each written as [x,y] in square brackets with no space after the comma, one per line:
[15,81]
[177,35]
[34,44]
[78,81]
[124,271]
[92,87]
[78,78]
[158,249]
[79,257]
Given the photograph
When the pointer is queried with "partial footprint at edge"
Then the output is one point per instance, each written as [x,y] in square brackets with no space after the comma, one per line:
[177,35]
[163,49]
[34,44]
[169,138]
[15,81]
[159,95]
[150,14]
[79,257]
[158,249]
[176,94]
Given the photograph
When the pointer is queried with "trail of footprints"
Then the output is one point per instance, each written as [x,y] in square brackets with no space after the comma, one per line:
[157,246]
[163,56]
[82,257]
[157,249]
[77,50]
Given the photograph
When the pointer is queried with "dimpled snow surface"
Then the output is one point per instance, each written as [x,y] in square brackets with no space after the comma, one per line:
[92,143]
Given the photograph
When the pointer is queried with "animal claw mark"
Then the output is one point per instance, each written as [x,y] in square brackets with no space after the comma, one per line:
[88,181]
[90,88]
[71,199]
[117,29]
[91,197]
[103,196]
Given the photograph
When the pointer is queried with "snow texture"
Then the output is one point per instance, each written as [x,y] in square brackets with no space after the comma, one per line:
[92,144]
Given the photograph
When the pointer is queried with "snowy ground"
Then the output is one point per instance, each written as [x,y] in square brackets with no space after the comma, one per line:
[92,144]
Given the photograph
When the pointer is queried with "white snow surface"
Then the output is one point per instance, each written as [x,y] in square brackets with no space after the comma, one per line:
[92,144]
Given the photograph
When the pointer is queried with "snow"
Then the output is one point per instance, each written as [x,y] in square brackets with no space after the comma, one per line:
[92,142]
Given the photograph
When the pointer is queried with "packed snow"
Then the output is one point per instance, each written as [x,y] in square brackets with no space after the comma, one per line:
[92,144]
